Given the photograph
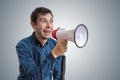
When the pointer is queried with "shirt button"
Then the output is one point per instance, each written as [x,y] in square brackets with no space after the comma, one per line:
[50,71]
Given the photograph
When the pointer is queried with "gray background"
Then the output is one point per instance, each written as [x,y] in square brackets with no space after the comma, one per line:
[98,60]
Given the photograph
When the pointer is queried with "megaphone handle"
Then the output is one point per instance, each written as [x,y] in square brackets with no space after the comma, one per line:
[63,66]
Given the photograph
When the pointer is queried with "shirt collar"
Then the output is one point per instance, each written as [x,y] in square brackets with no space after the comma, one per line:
[36,41]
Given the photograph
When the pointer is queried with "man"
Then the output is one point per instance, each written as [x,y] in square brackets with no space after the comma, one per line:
[40,57]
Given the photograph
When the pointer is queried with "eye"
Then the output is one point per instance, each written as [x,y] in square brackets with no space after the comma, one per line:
[43,20]
[51,21]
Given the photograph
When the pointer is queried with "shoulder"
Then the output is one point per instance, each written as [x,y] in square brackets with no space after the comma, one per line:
[24,42]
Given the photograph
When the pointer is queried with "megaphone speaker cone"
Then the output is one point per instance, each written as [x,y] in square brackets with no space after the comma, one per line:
[81,35]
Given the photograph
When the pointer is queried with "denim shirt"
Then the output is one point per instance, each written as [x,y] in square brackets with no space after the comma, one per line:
[36,61]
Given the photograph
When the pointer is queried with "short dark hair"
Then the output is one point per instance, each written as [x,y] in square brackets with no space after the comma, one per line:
[41,11]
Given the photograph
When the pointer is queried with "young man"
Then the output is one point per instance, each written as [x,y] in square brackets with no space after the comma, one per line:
[40,57]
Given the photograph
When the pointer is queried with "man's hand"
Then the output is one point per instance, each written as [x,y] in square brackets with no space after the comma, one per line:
[60,48]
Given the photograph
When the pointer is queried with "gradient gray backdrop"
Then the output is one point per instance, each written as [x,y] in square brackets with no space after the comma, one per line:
[98,60]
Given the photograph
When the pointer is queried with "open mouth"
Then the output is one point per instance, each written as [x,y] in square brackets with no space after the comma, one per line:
[46,31]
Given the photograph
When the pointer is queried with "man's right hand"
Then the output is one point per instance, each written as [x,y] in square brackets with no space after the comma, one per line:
[60,48]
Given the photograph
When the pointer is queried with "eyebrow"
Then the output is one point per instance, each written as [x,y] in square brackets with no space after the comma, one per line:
[45,18]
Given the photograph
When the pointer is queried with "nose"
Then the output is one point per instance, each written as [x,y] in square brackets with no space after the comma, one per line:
[48,25]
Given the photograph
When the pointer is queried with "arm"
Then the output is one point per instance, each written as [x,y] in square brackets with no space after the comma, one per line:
[60,49]
[59,72]
[28,68]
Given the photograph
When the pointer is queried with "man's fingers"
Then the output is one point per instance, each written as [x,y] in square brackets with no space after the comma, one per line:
[65,42]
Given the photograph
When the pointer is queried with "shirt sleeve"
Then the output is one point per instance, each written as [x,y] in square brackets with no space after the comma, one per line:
[27,66]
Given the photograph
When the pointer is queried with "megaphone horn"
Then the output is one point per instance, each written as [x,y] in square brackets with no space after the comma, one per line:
[79,35]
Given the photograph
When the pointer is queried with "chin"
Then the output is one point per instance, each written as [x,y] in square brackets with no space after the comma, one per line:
[46,37]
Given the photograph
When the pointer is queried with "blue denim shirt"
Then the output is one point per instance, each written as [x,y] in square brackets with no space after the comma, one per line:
[36,61]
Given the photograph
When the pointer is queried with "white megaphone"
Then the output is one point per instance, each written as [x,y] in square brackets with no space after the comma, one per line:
[79,35]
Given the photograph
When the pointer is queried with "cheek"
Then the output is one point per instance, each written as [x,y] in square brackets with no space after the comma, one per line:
[37,29]
[51,26]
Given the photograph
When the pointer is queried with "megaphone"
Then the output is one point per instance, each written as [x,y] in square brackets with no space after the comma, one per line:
[79,35]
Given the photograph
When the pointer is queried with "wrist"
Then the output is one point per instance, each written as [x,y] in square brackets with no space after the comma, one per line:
[54,55]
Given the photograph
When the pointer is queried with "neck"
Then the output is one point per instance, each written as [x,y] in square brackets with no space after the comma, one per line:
[41,40]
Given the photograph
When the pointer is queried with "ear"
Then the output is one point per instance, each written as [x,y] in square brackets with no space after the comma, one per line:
[33,24]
